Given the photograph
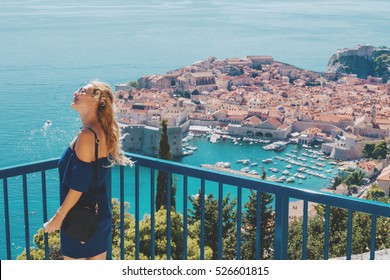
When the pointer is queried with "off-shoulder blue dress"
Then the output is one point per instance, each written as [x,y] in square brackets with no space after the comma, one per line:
[80,176]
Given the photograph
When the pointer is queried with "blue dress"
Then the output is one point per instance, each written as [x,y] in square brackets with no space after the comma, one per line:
[80,176]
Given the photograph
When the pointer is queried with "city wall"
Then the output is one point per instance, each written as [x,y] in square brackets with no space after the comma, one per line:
[147,138]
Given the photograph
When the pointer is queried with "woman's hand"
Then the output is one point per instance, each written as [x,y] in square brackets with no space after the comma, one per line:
[54,223]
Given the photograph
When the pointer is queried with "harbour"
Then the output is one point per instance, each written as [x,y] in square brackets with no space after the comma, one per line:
[294,164]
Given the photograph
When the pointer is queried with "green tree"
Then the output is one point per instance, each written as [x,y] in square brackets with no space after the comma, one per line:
[134,84]
[38,252]
[164,152]
[375,193]
[263,173]
[160,228]
[361,234]
[376,151]
[382,63]
[249,221]
[211,223]
[368,149]
[257,67]
[336,181]
[380,150]
[355,178]
[233,71]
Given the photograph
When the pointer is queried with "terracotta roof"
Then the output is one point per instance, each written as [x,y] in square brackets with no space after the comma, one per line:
[253,120]
[274,122]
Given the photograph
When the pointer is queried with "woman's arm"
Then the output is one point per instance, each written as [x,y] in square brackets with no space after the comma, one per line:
[85,147]
[56,221]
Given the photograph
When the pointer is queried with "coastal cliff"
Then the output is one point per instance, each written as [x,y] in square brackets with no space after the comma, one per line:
[364,61]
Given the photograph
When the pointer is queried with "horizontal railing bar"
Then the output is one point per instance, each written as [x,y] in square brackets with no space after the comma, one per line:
[354,204]
[33,167]
[282,191]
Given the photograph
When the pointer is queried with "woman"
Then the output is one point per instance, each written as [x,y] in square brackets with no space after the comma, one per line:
[95,104]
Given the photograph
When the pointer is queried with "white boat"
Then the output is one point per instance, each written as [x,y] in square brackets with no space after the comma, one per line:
[288,166]
[187,153]
[223,164]
[290,180]
[254,164]
[214,138]
[268,160]
[253,172]
[245,169]
[273,177]
[286,172]
[283,178]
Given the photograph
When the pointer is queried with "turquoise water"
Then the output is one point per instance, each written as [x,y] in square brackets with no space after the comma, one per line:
[50,48]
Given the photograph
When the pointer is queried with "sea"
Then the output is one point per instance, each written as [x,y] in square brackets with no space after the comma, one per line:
[50,48]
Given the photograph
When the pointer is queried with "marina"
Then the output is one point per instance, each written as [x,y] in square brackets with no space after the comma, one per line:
[296,165]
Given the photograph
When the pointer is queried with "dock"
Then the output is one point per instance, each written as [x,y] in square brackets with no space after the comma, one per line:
[228,170]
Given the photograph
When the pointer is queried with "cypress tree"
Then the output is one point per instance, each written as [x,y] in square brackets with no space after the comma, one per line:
[211,223]
[164,152]
[266,227]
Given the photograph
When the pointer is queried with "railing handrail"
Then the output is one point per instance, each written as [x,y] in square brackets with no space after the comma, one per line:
[354,204]
[32,167]
[281,192]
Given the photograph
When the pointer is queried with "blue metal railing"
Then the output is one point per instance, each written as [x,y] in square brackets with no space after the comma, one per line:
[281,193]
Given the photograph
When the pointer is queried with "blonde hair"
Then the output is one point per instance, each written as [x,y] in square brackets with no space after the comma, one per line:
[106,117]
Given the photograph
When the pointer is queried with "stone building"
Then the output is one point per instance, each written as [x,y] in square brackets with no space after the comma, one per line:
[254,127]
[200,81]
[147,138]
[383,181]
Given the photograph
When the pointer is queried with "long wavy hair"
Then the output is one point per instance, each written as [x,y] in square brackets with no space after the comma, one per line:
[106,117]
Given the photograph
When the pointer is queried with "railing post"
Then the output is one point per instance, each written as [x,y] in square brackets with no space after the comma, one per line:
[185,217]
[259,208]
[136,193]
[122,210]
[169,207]
[373,237]
[44,206]
[349,234]
[152,214]
[281,227]
[6,218]
[202,219]
[327,227]
[109,194]
[220,223]
[26,219]
[239,206]
[304,230]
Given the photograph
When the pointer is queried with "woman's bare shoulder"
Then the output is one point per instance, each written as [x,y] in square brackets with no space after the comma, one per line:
[85,145]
